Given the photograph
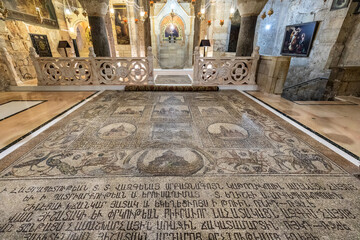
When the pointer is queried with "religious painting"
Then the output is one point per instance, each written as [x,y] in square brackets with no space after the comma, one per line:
[298,39]
[339,4]
[121,25]
[28,11]
[41,45]
[171,30]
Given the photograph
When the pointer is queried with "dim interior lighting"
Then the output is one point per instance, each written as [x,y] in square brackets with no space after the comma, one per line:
[112,11]
[67,11]
[202,10]
[268,26]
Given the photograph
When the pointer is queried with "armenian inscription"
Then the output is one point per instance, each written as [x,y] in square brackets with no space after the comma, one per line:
[244,208]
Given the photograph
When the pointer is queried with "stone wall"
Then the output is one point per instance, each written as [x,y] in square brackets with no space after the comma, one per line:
[14,36]
[271,74]
[271,30]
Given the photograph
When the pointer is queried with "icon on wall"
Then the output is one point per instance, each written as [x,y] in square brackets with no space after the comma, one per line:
[339,4]
[298,39]
[121,24]
[41,45]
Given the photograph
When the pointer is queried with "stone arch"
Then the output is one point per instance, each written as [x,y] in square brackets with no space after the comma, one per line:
[179,27]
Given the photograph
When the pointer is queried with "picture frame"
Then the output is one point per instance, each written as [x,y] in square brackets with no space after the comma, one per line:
[41,45]
[298,39]
[339,4]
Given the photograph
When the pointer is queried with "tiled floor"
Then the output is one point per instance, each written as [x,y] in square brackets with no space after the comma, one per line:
[176,165]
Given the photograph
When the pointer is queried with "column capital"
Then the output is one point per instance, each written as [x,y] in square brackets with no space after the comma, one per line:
[95,7]
[249,8]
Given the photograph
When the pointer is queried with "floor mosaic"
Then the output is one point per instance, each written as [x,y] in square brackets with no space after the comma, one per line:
[176,166]
[177,133]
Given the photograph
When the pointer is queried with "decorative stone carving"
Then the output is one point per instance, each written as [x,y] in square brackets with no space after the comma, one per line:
[95,7]
[93,70]
[225,71]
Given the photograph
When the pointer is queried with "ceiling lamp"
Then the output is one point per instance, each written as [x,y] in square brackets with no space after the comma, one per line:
[263,16]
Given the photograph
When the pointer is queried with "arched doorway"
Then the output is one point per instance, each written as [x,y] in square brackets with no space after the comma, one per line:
[173,44]
[83,38]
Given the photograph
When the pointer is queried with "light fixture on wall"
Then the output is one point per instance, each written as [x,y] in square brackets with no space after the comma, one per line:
[232,11]
[38,14]
[222,22]
[209,22]
[151,3]
[143,14]
[201,14]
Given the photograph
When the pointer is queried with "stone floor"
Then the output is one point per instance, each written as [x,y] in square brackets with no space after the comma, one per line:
[173,80]
[335,120]
[167,165]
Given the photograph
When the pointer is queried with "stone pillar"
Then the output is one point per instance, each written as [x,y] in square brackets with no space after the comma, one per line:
[97,10]
[197,24]
[147,27]
[110,34]
[249,11]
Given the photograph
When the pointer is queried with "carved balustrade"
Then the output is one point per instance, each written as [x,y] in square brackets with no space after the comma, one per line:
[225,70]
[93,70]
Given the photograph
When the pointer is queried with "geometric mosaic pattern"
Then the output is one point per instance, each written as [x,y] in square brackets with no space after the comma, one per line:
[170,134]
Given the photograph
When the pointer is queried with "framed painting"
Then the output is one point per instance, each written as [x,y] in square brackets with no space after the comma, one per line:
[41,45]
[298,39]
[339,4]
[25,10]
[121,24]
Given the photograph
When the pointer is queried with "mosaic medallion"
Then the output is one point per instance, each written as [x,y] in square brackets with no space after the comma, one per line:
[228,131]
[169,162]
[117,131]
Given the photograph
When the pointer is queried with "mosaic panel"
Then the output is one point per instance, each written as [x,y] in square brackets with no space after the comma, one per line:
[163,133]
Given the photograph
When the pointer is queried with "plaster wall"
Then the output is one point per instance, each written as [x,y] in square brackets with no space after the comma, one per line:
[293,12]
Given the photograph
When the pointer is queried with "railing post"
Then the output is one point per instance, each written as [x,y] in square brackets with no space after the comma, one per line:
[255,61]
[196,80]
[94,71]
[150,58]
[35,59]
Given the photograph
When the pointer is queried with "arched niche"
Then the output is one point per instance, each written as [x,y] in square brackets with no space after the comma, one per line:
[172,26]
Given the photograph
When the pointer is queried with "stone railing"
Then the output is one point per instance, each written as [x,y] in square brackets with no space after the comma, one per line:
[93,70]
[225,70]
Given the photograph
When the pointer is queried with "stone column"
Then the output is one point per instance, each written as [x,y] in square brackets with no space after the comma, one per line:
[147,25]
[249,11]
[197,24]
[97,10]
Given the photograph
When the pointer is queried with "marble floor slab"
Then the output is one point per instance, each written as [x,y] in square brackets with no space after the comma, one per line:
[17,126]
[171,165]
[13,107]
[337,121]
[173,80]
